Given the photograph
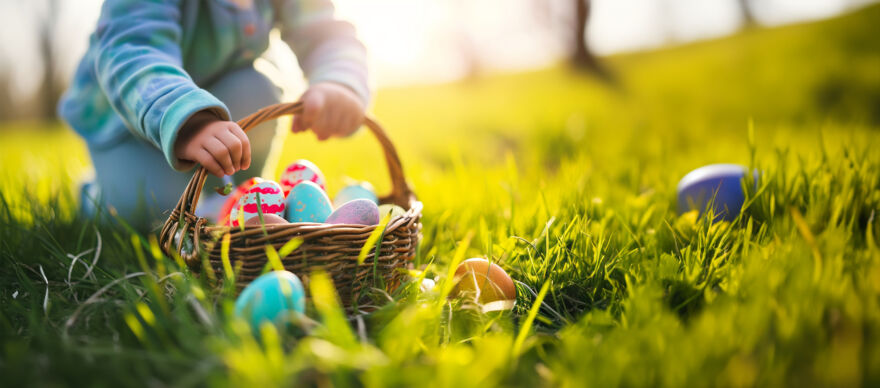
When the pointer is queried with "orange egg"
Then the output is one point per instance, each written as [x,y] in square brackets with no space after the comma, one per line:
[486,282]
[268,219]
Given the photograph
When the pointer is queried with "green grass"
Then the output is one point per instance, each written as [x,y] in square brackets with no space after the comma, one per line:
[569,186]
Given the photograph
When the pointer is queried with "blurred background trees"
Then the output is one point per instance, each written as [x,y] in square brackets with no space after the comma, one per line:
[583,57]
[39,36]
[748,18]
[418,41]
[52,85]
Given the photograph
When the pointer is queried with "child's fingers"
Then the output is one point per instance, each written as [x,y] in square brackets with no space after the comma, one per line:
[313,104]
[233,144]
[336,124]
[357,122]
[221,154]
[324,126]
[297,126]
[351,124]
[204,157]
[245,146]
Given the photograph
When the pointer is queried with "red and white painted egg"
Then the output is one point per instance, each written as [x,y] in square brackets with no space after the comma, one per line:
[271,202]
[232,200]
[300,171]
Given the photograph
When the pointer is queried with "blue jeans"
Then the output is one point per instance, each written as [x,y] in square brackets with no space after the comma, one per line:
[133,177]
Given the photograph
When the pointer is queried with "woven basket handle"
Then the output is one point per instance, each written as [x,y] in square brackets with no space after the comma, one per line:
[401,194]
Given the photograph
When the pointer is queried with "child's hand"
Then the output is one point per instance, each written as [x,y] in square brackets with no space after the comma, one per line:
[329,110]
[220,146]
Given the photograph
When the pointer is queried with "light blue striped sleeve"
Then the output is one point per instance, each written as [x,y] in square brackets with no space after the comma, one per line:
[327,48]
[139,67]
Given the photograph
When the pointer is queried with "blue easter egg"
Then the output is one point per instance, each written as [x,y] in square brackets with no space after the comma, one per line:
[271,297]
[362,190]
[307,202]
[359,212]
[721,182]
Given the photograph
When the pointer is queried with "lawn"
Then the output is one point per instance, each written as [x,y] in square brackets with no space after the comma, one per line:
[566,183]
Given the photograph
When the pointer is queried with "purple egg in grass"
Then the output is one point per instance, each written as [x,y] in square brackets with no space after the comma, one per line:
[718,184]
[358,211]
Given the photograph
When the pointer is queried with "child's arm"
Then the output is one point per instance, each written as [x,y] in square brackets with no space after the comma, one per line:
[333,60]
[139,68]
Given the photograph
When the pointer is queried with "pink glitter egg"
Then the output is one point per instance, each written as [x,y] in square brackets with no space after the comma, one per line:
[301,171]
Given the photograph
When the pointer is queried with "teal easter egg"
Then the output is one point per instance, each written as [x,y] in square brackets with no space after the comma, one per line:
[271,297]
[396,211]
[359,212]
[362,190]
[307,202]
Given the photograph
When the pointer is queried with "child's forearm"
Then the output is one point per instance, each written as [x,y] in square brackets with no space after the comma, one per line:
[328,49]
[139,68]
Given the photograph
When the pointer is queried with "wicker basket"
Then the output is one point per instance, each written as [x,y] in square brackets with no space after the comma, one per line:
[332,248]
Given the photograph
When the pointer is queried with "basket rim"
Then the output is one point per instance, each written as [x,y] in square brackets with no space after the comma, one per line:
[414,212]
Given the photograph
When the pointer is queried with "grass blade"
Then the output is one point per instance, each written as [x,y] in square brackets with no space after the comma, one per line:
[527,324]
[374,237]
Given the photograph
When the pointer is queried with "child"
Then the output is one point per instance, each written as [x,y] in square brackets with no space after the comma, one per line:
[162,81]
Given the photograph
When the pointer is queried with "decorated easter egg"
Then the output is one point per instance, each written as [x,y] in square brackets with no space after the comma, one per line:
[718,184]
[485,282]
[271,202]
[268,219]
[361,190]
[274,297]
[307,202]
[358,211]
[396,211]
[301,171]
[232,200]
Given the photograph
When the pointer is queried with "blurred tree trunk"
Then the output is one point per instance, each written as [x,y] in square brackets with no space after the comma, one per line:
[745,9]
[584,59]
[5,97]
[50,89]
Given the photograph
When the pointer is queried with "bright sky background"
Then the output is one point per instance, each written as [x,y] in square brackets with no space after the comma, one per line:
[421,41]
